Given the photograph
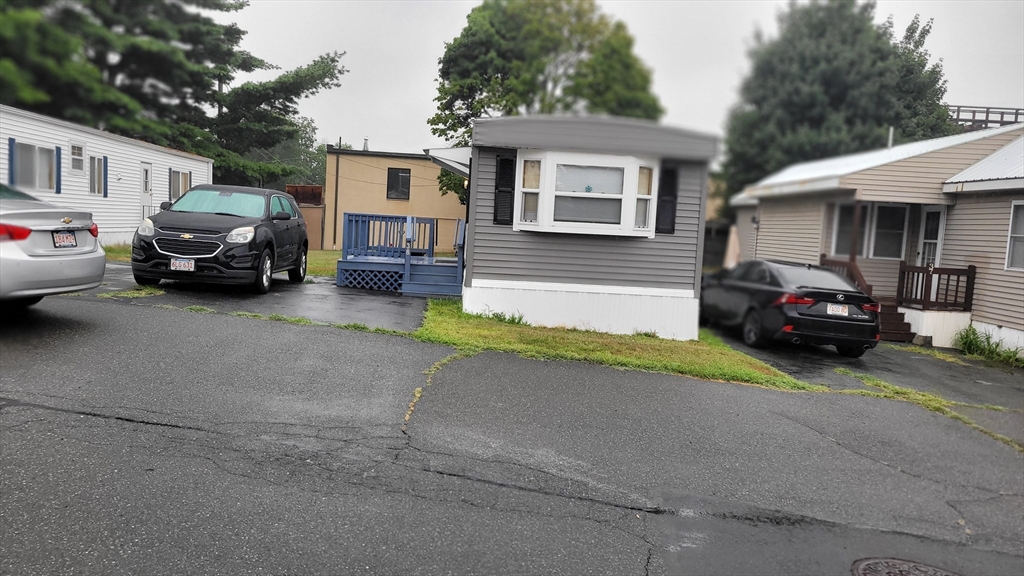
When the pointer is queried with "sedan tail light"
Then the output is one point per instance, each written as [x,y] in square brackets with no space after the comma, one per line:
[12,232]
[94,230]
[793,299]
[872,307]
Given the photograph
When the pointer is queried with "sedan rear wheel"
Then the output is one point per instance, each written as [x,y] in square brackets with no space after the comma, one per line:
[753,330]
[263,273]
[298,274]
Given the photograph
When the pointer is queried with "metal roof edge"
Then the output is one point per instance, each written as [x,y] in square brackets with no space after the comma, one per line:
[984,185]
[794,189]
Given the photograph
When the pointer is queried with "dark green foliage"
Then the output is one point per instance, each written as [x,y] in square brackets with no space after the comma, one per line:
[831,83]
[157,70]
[537,57]
[982,344]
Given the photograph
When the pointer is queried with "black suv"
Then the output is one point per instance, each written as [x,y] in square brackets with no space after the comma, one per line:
[222,234]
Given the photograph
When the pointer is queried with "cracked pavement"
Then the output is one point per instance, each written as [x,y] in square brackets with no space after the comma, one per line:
[136,439]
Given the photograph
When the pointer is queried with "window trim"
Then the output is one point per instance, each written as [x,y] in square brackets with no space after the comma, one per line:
[71,157]
[387,190]
[96,178]
[33,184]
[873,228]
[1014,204]
[550,159]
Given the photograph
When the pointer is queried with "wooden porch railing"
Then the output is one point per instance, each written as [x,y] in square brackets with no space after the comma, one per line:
[848,270]
[383,235]
[933,288]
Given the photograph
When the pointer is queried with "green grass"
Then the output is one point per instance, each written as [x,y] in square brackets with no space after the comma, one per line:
[325,262]
[252,315]
[119,252]
[136,292]
[709,358]
[200,309]
[983,345]
[291,319]
[925,400]
[944,356]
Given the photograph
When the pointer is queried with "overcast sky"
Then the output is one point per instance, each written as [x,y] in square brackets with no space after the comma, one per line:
[696,49]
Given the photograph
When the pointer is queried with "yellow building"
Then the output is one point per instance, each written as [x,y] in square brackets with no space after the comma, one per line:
[390,183]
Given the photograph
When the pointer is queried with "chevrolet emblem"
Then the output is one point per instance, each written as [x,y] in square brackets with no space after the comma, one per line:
[66,220]
[186,236]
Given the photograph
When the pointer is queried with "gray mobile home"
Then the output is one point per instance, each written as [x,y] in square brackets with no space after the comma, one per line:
[587,222]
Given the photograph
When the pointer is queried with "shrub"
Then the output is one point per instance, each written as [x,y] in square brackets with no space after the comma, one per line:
[971,341]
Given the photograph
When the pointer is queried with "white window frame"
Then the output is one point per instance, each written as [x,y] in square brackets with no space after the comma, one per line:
[546,196]
[71,158]
[1009,234]
[874,226]
[178,176]
[32,181]
[835,229]
[95,175]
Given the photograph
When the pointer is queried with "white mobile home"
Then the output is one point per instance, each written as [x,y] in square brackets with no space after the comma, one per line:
[118,179]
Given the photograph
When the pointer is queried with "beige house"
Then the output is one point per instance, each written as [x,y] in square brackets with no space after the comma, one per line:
[934,230]
[396,184]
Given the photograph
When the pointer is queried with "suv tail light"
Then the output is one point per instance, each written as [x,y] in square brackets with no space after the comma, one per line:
[12,232]
[793,299]
[872,307]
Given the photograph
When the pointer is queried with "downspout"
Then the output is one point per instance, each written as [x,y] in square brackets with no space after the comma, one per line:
[337,181]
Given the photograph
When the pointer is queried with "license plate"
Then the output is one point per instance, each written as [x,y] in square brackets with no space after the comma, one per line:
[839,309]
[183,265]
[64,239]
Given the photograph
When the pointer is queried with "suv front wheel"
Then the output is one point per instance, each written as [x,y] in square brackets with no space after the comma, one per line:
[263,273]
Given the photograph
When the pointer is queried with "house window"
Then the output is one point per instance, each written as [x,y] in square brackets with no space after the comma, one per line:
[95,175]
[1015,243]
[78,158]
[584,193]
[890,225]
[844,229]
[35,167]
[398,183]
[180,183]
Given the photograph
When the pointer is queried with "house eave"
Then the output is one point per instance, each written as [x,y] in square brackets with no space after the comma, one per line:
[984,185]
[794,188]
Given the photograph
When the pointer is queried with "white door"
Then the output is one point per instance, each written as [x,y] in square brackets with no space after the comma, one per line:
[146,190]
[930,241]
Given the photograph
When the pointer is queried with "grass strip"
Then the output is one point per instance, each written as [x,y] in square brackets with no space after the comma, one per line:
[136,292]
[118,252]
[925,400]
[200,309]
[944,356]
[708,359]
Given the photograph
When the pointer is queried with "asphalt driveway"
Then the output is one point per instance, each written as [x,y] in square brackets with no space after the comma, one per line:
[143,439]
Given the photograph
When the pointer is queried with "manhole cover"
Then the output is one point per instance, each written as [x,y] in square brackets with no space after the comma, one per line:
[895,567]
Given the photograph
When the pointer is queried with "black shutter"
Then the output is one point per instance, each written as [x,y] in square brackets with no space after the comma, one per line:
[504,190]
[668,190]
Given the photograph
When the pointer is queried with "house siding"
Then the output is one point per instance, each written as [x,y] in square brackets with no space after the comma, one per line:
[119,213]
[666,261]
[789,230]
[919,179]
[976,233]
[361,181]
[745,231]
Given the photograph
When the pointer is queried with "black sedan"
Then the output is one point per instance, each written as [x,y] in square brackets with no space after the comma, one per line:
[791,302]
[222,234]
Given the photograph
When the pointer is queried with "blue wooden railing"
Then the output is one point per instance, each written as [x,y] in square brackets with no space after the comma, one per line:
[385,236]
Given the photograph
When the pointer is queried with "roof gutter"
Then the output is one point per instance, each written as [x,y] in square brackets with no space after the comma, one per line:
[984,185]
[793,188]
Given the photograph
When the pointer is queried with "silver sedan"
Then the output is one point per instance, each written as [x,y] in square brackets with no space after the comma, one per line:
[45,249]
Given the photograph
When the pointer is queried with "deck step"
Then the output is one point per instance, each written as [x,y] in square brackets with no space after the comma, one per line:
[895,327]
[897,336]
[423,278]
[430,289]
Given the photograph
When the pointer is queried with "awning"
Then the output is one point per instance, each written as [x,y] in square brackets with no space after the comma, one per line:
[452,159]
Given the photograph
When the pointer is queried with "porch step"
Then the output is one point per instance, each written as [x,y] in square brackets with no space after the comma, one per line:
[897,336]
[889,317]
[896,327]
[431,289]
[432,278]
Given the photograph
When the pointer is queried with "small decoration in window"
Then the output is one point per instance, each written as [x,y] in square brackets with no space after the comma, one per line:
[589,188]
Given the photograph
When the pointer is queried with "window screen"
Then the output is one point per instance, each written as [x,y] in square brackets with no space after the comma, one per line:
[889,231]
[398,183]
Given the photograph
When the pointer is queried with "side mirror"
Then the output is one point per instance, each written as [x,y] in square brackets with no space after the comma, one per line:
[282,215]
[165,205]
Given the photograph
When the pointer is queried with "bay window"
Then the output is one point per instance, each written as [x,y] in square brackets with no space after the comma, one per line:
[585,193]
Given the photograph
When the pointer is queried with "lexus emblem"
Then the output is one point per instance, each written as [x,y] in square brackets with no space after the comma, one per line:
[186,236]
[67,220]
[840,297]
